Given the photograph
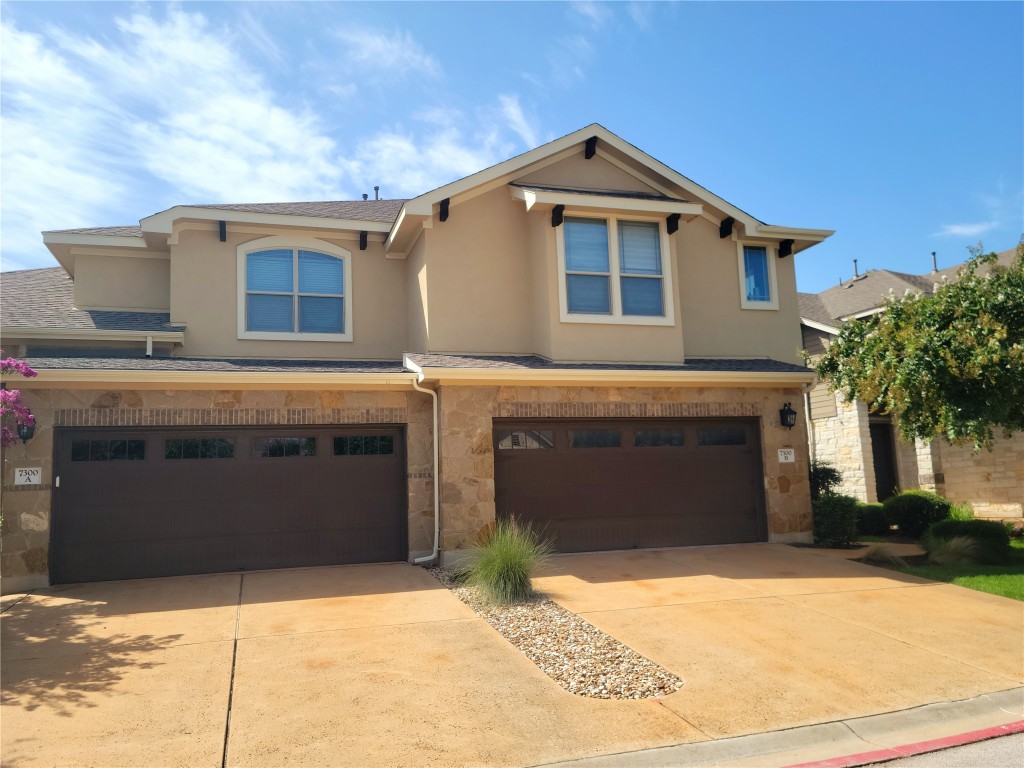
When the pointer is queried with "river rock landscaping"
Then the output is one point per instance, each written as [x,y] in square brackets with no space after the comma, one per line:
[572,652]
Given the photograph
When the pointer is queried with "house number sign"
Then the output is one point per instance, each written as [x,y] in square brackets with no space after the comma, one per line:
[787,455]
[28,476]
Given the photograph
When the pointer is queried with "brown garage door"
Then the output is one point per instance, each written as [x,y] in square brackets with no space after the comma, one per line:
[622,484]
[135,503]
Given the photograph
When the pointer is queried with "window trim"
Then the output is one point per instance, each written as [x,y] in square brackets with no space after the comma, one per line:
[615,317]
[773,283]
[293,243]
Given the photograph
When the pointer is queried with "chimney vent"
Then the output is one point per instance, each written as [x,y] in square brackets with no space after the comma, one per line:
[935,264]
[376,193]
[856,274]
[365,196]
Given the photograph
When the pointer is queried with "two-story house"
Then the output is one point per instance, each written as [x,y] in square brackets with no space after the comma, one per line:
[579,336]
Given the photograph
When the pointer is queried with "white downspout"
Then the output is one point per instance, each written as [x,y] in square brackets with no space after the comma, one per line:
[433,556]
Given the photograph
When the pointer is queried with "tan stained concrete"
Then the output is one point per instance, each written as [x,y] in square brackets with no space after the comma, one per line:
[119,673]
[443,693]
[378,665]
[783,637]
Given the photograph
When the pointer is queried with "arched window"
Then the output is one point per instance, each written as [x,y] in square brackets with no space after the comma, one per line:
[294,292]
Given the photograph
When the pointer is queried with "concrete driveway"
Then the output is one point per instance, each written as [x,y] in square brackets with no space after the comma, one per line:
[379,665]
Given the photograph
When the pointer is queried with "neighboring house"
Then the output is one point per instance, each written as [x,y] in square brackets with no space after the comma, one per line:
[603,344]
[864,445]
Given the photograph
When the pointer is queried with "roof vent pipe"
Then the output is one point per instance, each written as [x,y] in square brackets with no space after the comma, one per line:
[935,264]
[376,193]
[365,196]
[856,274]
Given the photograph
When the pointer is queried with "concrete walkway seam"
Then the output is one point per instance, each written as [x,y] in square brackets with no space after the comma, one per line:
[231,683]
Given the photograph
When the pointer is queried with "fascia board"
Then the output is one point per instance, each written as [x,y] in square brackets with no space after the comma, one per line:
[12,332]
[541,197]
[108,241]
[637,378]
[201,379]
[817,235]
[163,223]
[819,326]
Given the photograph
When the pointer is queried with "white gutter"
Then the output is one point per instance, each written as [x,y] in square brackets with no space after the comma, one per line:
[29,332]
[433,556]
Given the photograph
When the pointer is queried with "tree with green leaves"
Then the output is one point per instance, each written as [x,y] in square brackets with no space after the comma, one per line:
[950,364]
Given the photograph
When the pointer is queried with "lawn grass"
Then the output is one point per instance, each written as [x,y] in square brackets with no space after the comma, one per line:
[1005,580]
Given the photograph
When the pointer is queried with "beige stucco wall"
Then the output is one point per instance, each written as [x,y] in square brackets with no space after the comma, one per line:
[204,296]
[26,513]
[417,311]
[467,463]
[122,282]
[595,173]
[714,323]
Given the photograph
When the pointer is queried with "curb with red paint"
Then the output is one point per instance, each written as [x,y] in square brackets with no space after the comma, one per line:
[892,753]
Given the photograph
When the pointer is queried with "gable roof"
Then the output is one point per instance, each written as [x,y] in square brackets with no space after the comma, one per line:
[44,299]
[867,292]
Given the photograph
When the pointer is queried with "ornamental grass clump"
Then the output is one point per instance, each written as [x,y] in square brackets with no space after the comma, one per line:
[959,550]
[504,562]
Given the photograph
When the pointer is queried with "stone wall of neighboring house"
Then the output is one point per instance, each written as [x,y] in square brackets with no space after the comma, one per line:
[992,482]
[26,511]
[467,463]
[844,441]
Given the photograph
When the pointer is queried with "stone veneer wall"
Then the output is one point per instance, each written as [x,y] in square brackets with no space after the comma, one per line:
[991,482]
[467,453]
[26,511]
[845,442]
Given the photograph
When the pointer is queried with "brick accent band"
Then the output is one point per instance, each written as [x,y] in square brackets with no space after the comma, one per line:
[171,417]
[531,410]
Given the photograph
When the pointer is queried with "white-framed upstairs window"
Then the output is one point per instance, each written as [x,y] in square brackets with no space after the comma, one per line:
[758,284]
[614,270]
[295,289]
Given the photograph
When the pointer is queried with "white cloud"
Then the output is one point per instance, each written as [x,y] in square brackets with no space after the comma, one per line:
[385,54]
[595,13]
[966,230]
[167,109]
[513,113]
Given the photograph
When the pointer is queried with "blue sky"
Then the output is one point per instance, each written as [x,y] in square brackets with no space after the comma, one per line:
[900,125]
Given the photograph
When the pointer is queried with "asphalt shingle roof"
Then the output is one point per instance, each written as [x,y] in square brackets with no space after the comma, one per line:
[870,289]
[129,230]
[44,298]
[49,358]
[534,362]
[383,211]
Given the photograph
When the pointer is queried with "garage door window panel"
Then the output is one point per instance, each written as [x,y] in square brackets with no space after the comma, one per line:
[284,447]
[721,436]
[364,445]
[108,450]
[595,438]
[199,448]
[658,438]
[525,439]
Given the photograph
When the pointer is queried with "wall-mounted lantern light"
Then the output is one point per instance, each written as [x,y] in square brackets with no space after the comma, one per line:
[787,416]
[26,432]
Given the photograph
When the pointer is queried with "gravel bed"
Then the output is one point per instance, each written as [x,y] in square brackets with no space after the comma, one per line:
[572,652]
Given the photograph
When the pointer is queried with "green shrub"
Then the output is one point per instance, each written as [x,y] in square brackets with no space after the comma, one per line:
[835,520]
[872,521]
[824,479]
[913,511]
[991,538]
[504,562]
[958,550]
[961,512]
